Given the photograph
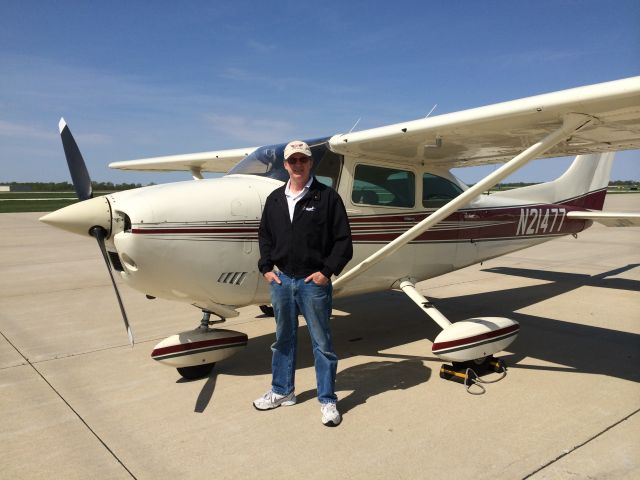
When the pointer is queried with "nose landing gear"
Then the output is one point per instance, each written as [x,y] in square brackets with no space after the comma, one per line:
[194,353]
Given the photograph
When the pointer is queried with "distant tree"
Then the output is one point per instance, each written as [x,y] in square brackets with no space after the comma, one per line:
[67,187]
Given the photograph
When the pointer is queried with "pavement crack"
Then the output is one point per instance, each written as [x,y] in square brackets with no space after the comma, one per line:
[590,439]
[69,406]
[47,292]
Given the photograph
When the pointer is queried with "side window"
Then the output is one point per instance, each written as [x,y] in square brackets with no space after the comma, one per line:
[328,169]
[437,191]
[386,187]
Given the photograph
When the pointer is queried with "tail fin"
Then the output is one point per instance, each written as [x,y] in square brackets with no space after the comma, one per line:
[586,174]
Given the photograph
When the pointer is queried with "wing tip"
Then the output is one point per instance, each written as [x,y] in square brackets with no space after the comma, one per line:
[61,124]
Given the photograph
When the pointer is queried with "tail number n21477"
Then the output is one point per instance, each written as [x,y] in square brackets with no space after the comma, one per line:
[540,220]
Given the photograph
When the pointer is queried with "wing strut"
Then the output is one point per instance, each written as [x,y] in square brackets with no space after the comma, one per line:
[572,122]
[409,288]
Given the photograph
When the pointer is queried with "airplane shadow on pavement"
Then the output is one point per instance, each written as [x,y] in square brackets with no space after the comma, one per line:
[571,346]
[375,323]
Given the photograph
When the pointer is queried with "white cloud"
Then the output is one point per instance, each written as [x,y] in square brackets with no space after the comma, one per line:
[28,132]
[260,47]
[250,130]
[538,57]
[19,131]
[287,83]
[233,73]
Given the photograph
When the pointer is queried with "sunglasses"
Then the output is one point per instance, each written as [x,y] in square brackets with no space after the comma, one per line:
[294,160]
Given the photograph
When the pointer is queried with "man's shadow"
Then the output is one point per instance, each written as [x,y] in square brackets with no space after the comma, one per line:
[373,378]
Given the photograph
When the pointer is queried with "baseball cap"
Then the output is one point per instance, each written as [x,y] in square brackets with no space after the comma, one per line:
[297,146]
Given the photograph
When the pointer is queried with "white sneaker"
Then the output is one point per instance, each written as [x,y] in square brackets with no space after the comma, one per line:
[272,400]
[330,415]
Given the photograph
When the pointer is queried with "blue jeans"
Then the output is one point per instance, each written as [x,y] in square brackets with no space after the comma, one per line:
[292,297]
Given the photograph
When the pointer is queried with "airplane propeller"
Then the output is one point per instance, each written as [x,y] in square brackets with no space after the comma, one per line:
[77,168]
[99,233]
[82,185]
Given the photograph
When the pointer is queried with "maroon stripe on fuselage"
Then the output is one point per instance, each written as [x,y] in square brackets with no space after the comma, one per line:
[192,230]
[590,201]
[488,223]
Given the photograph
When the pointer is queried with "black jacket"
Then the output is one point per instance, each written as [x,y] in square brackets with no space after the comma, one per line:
[318,239]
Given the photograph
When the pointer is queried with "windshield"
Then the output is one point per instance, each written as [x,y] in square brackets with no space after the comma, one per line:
[268,161]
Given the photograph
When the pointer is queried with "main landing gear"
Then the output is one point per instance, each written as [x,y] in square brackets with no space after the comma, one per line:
[468,344]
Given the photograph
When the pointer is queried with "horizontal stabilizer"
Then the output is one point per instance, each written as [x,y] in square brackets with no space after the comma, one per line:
[610,219]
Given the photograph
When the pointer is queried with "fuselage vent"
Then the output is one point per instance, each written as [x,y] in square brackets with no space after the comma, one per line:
[233,278]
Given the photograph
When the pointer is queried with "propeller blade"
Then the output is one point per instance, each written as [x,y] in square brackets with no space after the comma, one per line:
[77,167]
[75,217]
[100,234]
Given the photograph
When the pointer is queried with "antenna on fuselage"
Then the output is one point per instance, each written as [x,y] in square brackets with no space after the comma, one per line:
[431,111]
[355,124]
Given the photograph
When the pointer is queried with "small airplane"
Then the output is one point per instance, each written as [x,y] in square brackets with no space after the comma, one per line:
[411,218]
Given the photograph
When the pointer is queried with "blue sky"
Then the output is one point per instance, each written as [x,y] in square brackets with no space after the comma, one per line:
[140,79]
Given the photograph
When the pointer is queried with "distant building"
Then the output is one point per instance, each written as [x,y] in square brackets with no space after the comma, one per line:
[5,188]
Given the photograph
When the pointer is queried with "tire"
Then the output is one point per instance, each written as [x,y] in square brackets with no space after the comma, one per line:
[198,371]
[482,361]
[267,310]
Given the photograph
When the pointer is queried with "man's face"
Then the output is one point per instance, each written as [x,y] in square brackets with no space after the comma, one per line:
[299,167]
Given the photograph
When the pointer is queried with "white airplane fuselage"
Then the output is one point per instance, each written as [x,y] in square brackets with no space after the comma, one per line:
[197,241]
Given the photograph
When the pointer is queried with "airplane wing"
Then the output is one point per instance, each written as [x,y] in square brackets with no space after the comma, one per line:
[595,118]
[497,133]
[610,219]
[219,161]
[479,136]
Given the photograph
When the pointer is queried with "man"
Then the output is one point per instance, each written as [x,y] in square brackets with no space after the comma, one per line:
[304,232]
